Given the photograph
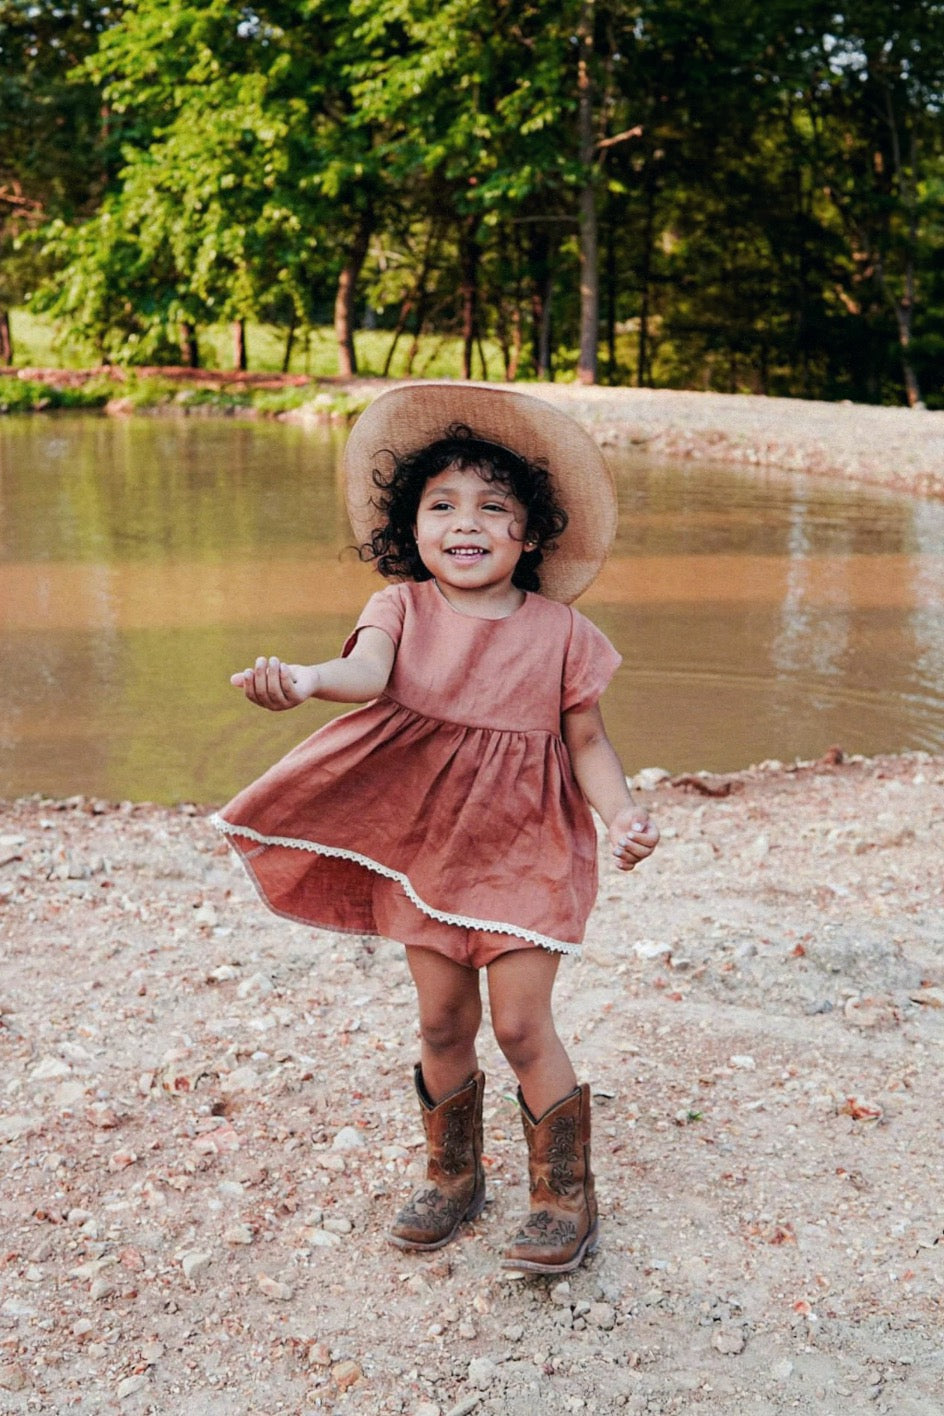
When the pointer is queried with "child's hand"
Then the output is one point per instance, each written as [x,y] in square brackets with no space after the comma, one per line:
[277,686]
[633,837]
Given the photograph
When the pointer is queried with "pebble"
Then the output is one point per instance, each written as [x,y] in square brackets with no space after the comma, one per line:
[195,1264]
[50,1069]
[465,1406]
[348,1138]
[12,1377]
[601,1315]
[481,1372]
[321,1238]
[345,1374]
[275,1288]
[560,1293]
[130,1385]
[337,1224]
[238,1234]
[728,1341]
[259,984]
[241,1079]
[427,1408]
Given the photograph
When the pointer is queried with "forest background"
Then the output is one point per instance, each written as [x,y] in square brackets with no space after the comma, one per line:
[742,197]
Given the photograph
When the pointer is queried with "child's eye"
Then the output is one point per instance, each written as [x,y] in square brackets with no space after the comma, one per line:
[494,506]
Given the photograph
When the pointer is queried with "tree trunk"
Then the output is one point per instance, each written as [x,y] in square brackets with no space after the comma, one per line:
[345,301]
[541,293]
[589,255]
[289,344]
[6,339]
[645,275]
[189,350]
[469,291]
[239,345]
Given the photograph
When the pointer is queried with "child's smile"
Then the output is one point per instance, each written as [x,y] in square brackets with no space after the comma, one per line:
[470,533]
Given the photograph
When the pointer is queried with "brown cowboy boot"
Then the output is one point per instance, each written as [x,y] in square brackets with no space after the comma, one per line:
[561,1228]
[456,1188]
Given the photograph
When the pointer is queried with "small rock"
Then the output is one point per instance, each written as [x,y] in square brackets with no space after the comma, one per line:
[337,1224]
[195,1264]
[206,915]
[345,1374]
[101,1287]
[348,1138]
[560,1293]
[427,1408]
[12,1377]
[274,1288]
[648,778]
[319,1355]
[601,1315]
[50,1069]
[238,1234]
[322,1239]
[241,1079]
[120,1160]
[728,1341]
[781,1371]
[481,1372]
[259,984]
[743,1062]
[130,1385]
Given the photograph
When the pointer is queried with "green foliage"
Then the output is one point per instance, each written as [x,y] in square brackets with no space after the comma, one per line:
[30,396]
[768,180]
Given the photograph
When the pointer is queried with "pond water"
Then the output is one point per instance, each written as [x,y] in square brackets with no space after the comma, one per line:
[141,561]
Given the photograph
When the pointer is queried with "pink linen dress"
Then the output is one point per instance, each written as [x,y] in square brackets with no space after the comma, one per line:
[448,805]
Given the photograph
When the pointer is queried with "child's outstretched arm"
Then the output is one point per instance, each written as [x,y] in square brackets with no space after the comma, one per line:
[356,679]
[602,780]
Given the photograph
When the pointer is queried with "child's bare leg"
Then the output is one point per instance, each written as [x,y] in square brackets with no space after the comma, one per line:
[450,1008]
[519,990]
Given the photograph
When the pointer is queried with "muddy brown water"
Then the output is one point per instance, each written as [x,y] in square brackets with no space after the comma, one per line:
[760,615]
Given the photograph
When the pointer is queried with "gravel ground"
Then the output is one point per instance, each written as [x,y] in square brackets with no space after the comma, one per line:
[207,1123]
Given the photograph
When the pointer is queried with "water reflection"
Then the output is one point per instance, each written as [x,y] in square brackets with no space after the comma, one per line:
[142,560]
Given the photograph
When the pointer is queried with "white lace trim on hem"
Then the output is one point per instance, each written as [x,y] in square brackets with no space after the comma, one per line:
[339,853]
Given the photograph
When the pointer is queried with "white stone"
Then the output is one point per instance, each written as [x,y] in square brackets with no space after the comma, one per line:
[195,1263]
[348,1138]
[258,983]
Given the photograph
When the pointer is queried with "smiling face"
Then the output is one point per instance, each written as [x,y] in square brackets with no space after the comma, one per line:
[470,533]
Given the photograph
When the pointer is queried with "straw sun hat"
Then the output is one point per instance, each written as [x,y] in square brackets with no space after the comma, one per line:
[402,420]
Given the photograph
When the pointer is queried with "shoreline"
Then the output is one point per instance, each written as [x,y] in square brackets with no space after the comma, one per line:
[900,449]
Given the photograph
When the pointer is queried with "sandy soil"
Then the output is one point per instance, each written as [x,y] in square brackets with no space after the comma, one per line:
[207,1123]
[206,1116]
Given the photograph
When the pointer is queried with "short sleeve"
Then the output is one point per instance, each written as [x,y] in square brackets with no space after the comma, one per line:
[590,663]
[386,611]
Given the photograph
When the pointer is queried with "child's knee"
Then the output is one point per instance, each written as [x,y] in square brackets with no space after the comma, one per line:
[521,1037]
[448,1029]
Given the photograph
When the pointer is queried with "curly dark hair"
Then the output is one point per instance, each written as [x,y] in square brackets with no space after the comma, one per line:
[393,545]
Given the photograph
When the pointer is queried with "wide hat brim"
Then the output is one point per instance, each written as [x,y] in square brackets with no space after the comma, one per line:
[409,417]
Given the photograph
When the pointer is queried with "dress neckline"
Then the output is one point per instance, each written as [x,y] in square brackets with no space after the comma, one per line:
[481,619]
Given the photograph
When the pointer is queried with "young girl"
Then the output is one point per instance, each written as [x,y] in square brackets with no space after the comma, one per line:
[451,811]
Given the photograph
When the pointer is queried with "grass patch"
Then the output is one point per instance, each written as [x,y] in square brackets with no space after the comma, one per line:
[31,396]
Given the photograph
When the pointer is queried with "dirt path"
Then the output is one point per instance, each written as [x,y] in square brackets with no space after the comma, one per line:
[206,1124]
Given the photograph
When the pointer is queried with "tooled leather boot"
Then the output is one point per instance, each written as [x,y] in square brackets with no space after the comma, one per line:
[455,1191]
[561,1228]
